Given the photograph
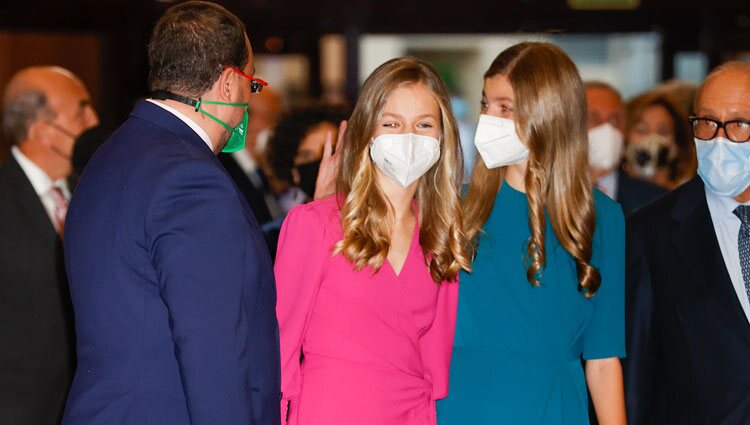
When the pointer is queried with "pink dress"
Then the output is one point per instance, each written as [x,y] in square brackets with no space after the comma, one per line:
[377,346]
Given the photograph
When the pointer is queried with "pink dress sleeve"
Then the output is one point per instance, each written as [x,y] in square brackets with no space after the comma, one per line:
[437,343]
[301,258]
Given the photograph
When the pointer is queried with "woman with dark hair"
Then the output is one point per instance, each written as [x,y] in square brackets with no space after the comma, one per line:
[547,286]
[296,149]
[659,146]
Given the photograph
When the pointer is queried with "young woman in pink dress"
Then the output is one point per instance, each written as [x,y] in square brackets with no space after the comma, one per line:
[366,278]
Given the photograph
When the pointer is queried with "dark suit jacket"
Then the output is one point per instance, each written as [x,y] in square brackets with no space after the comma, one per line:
[253,196]
[172,286]
[37,344]
[633,194]
[688,338]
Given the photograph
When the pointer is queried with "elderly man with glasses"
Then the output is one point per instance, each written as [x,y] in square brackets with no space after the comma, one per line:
[688,275]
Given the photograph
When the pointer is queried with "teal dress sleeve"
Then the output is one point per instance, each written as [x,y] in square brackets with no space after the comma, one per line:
[604,335]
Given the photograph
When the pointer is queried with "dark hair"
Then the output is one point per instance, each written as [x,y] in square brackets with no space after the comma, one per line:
[190,46]
[292,129]
[21,111]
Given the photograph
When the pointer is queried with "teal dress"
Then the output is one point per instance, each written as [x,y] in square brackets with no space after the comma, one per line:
[518,348]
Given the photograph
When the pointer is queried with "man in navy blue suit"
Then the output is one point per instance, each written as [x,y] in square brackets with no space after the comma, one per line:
[171,281]
[688,275]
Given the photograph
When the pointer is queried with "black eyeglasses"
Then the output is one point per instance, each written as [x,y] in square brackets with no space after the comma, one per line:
[737,131]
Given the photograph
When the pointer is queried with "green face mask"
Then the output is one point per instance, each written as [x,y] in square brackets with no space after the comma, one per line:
[236,141]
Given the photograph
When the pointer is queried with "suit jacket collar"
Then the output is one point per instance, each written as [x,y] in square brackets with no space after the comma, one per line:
[692,197]
[696,243]
[168,121]
[27,200]
[160,117]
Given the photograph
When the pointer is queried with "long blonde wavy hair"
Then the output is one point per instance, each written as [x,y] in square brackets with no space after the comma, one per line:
[366,214]
[550,116]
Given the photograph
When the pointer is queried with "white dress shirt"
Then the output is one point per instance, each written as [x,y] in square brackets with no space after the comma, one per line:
[608,184]
[184,118]
[42,183]
[727,228]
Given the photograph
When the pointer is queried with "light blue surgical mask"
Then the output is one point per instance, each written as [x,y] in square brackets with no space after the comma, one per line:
[724,165]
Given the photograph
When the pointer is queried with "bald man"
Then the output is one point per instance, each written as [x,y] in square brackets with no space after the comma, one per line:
[266,110]
[44,109]
[688,275]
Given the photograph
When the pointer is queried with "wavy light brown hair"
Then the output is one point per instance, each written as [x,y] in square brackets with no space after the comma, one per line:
[366,213]
[550,117]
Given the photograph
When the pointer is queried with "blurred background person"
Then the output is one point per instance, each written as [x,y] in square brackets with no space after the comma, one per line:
[85,147]
[266,111]
[294,155]
[296,149]
[246,167]
[658,144]
[44,110]
[606,123]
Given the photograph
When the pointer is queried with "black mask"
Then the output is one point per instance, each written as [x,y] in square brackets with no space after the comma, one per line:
[308,174]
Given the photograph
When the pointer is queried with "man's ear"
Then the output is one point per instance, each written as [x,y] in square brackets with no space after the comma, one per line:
[39,131]
[225,85]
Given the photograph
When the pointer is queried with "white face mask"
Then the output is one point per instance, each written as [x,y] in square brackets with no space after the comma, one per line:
[605,147]
[497,142]
[404,157]
[724,166]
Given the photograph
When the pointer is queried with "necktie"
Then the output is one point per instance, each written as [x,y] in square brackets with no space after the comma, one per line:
[743,239]
[61,208]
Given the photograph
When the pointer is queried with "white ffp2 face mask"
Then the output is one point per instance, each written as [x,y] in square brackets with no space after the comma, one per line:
[404,157]
[605,147]
[497,142]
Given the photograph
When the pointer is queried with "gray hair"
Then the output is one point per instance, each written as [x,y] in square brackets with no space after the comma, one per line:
[21,111]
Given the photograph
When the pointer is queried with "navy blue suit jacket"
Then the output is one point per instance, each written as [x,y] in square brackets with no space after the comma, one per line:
[633,194]
[172,286]
[688,338]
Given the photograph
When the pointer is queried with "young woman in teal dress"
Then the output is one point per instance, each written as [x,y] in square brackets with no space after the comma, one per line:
[547,286]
